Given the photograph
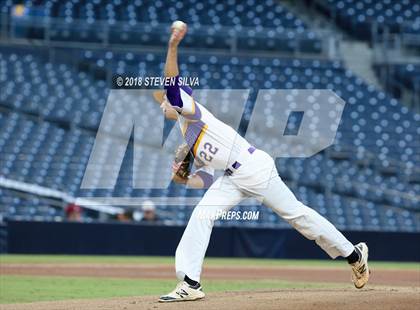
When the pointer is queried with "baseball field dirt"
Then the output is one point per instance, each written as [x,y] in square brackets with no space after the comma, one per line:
[378,298]
[253,284]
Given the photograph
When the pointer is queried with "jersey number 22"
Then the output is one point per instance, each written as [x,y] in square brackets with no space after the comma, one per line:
[208,148]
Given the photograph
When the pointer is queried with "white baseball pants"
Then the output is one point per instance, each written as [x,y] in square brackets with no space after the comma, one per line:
[256,177]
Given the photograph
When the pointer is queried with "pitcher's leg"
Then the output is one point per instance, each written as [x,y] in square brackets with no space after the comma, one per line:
[306,220]
[221,196]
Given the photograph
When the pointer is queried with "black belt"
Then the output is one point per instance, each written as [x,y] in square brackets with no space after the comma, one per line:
[236,164]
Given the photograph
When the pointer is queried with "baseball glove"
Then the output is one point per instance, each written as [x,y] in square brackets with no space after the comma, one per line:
[183,161]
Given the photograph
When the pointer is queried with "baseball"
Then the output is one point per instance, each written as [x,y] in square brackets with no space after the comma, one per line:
[179,25]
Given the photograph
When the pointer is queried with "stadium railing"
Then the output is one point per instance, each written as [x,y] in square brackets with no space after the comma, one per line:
[320,42]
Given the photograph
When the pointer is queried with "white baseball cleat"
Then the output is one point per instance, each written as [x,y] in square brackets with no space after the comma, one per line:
[360,269]
[183,292]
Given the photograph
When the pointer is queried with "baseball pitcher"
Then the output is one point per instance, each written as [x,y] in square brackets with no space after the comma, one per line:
[249,172]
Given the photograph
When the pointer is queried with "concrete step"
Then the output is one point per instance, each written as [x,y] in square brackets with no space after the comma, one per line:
[358,57]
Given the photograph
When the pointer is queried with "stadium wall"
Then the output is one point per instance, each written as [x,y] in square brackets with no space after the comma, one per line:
[30,237]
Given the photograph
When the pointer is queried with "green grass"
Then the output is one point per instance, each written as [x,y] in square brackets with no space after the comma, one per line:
[18,289]
[34,259]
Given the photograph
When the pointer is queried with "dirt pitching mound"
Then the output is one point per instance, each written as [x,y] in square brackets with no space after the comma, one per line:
[376,298]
